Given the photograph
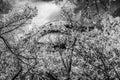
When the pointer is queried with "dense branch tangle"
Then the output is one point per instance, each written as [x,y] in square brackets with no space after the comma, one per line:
[65,41]
[57,28]
[54,27]
[16,18]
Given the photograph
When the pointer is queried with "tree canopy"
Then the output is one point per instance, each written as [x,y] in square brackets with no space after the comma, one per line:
[84,45]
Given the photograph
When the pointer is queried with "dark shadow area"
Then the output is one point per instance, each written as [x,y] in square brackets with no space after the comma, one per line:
[5,6]
[116,13]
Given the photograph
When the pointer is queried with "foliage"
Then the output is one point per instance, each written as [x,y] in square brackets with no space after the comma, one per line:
[84,55]
[10,49]
[99,50]
[60,50]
